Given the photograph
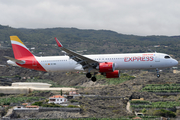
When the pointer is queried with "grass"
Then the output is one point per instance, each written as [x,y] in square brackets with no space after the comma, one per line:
[165,88]
[167,104]
[115,81]
[13,99]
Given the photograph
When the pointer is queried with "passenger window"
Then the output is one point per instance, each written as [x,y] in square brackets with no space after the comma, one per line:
[166,57]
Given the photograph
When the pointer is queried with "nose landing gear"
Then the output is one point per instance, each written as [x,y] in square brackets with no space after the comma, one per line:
[157,71]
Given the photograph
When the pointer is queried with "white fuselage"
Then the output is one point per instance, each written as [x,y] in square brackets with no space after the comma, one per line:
[122,61]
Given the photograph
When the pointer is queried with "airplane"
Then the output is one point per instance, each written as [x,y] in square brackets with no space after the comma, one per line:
[108,65]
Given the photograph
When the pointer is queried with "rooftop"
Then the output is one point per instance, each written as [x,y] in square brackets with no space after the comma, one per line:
[57,96]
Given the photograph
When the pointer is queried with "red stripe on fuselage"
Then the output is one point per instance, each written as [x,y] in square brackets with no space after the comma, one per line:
[22,53]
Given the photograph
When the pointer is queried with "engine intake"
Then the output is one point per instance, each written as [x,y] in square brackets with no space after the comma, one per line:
[115,74]
[106,67]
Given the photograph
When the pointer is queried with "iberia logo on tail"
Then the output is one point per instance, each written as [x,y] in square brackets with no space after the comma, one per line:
[21,52]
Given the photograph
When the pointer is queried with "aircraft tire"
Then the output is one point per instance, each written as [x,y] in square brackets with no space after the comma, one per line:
[88,75]
[93,79]
[158,75]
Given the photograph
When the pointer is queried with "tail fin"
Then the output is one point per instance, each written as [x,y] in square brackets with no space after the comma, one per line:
[19,49]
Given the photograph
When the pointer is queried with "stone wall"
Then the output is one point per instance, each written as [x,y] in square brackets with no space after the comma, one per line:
[47,112]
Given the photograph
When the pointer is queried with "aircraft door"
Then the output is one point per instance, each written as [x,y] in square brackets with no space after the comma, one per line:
[157,58]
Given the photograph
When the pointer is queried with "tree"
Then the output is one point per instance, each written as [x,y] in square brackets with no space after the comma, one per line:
[61,92]
[144,110]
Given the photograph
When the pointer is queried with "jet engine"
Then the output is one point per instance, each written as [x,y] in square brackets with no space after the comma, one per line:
[106,67]
[115,74]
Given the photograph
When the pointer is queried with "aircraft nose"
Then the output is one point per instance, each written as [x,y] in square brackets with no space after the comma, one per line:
[175,62]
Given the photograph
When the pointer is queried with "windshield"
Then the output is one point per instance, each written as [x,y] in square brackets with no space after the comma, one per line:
[166,57]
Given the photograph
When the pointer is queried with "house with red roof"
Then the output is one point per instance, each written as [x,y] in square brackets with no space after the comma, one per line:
[57,99]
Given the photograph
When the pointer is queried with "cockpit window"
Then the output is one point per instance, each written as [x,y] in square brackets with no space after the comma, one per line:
[167,57]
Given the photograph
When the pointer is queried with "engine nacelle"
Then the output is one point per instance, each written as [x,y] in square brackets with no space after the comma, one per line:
[106,67]
[115,74]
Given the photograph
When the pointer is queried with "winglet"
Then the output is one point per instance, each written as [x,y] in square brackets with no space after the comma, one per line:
[58,43]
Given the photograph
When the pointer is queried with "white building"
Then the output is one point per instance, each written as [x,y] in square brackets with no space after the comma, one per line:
[31,84]
[57,99]
[33,48]
[25,88]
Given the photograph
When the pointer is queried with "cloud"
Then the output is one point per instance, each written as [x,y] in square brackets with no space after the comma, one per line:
[139,17]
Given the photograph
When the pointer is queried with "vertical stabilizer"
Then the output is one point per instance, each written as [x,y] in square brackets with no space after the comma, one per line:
[19,49]
[23,57]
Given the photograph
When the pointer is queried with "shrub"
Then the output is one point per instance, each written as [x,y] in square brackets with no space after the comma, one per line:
[51,105]
[73,101]
[39,103]
[7,103]
[164,113]
[72,106]
[116,111]
[144,110]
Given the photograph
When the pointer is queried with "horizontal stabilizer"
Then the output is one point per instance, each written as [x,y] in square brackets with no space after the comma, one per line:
[15,60]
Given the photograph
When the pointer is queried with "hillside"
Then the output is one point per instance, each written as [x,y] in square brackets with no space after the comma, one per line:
[95,107]
[94,41]
[129,86]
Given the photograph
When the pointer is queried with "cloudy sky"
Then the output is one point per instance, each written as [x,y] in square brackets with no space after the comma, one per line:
[138,17]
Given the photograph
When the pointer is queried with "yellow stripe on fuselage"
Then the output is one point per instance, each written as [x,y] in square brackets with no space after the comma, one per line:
[15,38]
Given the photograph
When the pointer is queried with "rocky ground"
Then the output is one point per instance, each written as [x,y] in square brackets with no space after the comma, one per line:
[93,107]
[45,115]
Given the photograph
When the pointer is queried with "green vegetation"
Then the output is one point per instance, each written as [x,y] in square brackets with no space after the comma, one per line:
[12,99]
[73,101]
[94,41]
[140,102]
[164,113]
[40,103]
[51,105]
[168,104]
[115,81]
[45,104]
[166,88]
[144,110]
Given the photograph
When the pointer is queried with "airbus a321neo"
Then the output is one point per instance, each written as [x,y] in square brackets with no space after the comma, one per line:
[106,64]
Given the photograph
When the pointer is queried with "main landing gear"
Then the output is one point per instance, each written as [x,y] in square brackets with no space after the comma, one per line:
[88,75]
[157,71]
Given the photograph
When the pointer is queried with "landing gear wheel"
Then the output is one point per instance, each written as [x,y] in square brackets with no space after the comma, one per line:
[157,71]
[88,75]
[158,75]
[93,79]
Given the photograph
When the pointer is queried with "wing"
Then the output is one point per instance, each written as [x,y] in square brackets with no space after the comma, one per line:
[80,59]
